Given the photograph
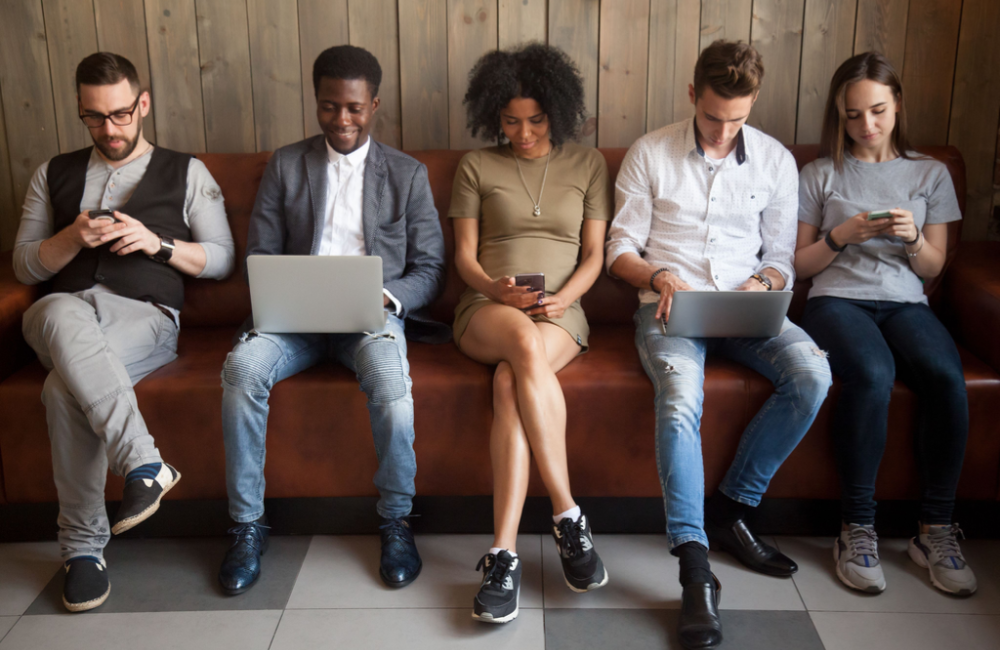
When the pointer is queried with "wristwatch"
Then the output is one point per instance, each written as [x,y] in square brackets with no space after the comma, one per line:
[763,279]
[832,244]
[166,249]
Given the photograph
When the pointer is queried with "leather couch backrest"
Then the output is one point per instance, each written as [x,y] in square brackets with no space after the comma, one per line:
[610,301]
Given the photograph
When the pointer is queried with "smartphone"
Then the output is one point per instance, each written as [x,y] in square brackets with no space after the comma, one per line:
[104,215]
[884,214]
[534,281]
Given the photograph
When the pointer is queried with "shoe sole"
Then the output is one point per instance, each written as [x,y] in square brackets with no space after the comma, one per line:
[591,586]
[921,560]
[90,604]
[486,617]
[135,520]
[873,589]
[400,585]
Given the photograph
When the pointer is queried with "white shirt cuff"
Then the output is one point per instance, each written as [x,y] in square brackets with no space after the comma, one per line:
[396,307]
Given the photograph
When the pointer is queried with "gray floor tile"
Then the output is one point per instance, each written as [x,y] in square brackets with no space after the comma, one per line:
[149,631]
[413,629]
[641,629]
[26,569]
[908,587]
[6,622]
[852,630]
[342,572]
[643,575]
[173,575]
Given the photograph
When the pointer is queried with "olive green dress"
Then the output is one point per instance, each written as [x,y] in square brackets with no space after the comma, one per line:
[511,239]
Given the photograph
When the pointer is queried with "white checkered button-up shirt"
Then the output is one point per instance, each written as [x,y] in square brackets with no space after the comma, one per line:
[711,224]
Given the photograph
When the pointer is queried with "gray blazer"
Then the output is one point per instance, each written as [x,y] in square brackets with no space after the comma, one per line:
[400,222]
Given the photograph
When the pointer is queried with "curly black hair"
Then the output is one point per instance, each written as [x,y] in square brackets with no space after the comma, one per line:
[540,72]
[348,62]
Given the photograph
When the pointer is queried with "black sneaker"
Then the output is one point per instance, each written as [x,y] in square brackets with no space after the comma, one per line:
[582,567]
[141,498]
[87,585]
[500,592]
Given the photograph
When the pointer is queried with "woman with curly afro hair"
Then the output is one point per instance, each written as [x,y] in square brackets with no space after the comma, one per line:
[535,203]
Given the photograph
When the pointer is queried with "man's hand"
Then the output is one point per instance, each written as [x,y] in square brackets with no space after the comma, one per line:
[85,232]
[507,293]
[667,283]
[385,300]
[134,236]
[752,284]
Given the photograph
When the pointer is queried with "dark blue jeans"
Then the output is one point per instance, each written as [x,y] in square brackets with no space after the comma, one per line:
[870,344]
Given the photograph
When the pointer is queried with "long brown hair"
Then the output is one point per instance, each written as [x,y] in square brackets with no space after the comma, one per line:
[869,65]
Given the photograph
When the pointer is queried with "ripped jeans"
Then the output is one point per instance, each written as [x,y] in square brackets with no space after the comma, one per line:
[259,361]
[676,366]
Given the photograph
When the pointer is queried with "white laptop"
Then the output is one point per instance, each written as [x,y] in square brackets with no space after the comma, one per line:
[708,314]
[321,294]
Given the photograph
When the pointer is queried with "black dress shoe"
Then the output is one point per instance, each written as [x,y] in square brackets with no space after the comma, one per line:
[400,564]
[241,566]
[747,548]
[699,625]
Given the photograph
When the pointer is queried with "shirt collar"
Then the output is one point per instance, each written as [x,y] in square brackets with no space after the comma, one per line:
[693,144]
[353,159]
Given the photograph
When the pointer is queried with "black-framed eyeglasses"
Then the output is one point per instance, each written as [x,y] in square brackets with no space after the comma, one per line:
[120,118]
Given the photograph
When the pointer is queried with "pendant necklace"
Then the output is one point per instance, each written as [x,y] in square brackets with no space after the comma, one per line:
[538,204]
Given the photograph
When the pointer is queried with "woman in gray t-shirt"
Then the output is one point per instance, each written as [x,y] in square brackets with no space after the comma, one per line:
[873,220]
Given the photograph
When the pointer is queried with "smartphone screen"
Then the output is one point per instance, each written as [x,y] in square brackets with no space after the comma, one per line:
[883,214]
[534,281]
[106,215]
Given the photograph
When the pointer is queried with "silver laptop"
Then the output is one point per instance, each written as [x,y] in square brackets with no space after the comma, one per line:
[316,293]
[708,314]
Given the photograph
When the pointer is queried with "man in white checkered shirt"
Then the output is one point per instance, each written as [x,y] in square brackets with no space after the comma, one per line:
[711,204]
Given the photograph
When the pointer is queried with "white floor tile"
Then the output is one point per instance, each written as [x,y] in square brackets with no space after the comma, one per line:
[850,631]
[414,629]
[150,631]
[643,575]
[342,572]
[908,587]
[26,569]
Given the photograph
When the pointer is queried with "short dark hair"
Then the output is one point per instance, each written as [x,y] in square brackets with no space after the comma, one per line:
[537,71]
[348,62]
[106,69]
[730,68]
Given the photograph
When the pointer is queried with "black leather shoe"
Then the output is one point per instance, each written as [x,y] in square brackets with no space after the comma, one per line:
[699,625]
[747,548]
[400,564]
[241,566]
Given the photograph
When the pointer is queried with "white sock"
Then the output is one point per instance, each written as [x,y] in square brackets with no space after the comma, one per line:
[573,514]
[496,551]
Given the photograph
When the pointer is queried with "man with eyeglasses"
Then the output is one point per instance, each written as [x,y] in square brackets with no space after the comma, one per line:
[114,228]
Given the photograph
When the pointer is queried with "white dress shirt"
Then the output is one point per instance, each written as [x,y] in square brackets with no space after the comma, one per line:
[343,227]
[712,224]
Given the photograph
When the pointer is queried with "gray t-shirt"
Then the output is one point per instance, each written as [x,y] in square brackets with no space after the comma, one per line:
[878,269]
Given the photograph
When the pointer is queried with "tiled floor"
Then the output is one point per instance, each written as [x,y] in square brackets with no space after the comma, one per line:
[324,592]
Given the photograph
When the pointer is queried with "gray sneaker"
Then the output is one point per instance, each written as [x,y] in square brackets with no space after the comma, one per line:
[939,553]
[856,555]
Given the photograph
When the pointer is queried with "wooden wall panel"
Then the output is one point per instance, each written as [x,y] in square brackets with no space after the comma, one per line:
[621,82]
[121,28]
[929,68]
[423,62]
[574,27]
[175,73]
[472,32]
[660,85]
[374,25]
[725,19]
[9,213]
[687,48]
[881,26]
[276,63]
[828,41]
[776,32]
[520,21]
[322,24]
[226,86]
[71,35]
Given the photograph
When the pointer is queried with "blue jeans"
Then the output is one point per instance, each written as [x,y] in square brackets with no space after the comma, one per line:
[676,366]
[871,343]
[259,361]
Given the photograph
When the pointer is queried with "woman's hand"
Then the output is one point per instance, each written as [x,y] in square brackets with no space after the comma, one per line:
[553,306]
[858,229]
[505,292]
[901,225]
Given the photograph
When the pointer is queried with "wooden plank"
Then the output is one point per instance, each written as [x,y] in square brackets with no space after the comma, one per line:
[776,33]
[574,27]
[725,19]
[660,81]
[175,72]
[29,114]
[71,35]
[121,28]
[521,21]
[322,24]
[975,109]
[472,32]
[828,41]
[686,50]
[621,85]
[423,61]
[275,61]
[881,26]
[929,68]
[226,88]
[9,213]
[374,25]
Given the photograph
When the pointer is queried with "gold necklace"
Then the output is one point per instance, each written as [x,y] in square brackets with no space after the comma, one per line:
[538,204]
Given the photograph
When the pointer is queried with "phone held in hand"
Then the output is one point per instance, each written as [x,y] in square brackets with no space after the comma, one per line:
[103,215]
[534,281]
[882,214]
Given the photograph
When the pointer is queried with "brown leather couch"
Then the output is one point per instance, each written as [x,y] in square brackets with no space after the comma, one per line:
[319,443]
